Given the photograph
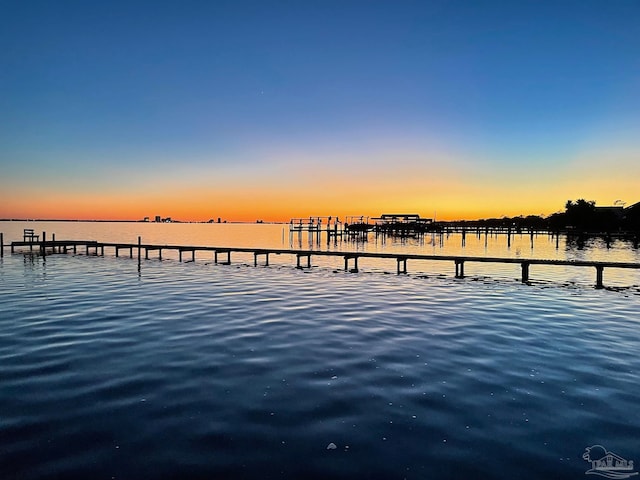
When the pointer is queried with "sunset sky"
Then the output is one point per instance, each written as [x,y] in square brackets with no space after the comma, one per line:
[268,110]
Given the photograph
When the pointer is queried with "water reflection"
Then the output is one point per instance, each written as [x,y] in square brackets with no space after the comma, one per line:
[517,245]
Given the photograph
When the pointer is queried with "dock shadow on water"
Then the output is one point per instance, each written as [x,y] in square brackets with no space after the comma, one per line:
[211,371]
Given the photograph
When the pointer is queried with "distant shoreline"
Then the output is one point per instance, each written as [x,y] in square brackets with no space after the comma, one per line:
[132,221]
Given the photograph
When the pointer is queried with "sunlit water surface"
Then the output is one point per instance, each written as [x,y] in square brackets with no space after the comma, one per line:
[198,370]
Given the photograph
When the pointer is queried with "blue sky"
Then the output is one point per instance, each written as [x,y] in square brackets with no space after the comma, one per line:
[112,97]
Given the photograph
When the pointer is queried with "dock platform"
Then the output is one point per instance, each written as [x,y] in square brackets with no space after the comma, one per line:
[303,257]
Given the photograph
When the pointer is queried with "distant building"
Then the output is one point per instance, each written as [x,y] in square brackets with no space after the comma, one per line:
[158,218]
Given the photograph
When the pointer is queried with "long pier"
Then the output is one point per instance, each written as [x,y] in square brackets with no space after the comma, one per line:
[303,257]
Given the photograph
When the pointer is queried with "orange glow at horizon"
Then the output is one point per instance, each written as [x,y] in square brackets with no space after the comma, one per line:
[280,188]
[446,202]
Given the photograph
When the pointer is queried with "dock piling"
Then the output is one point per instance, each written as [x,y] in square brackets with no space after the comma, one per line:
[298,256]
[599,275]
[459,268]
[193,253]
[215,256]
[403,261]
[355,263]
[525,272]
[255,258]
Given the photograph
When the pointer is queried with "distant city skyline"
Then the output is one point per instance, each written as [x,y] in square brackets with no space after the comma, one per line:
[268,110]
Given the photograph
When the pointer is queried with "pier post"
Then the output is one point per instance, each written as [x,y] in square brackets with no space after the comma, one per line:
[180,254]
[459,268]
[43,248]
[525,272]
[404,265]
[599,272]
[355,264]
[215,257]
[298,261]
[255,258]
[139,248]
[53,239]
[1,245]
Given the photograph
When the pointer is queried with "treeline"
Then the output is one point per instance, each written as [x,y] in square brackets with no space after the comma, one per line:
[580,216]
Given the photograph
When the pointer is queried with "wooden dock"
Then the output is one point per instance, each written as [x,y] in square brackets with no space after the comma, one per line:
[303,257]
[314,227]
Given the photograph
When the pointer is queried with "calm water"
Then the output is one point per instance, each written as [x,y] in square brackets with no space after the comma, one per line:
[197,370]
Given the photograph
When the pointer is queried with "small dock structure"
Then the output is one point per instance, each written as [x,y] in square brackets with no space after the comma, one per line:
[357,227]
[46,247]
[402,225]
[314,227]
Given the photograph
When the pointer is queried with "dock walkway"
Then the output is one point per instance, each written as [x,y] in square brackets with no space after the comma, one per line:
[303,257]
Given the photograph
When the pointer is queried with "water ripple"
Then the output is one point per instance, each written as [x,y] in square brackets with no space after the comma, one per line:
[209,371]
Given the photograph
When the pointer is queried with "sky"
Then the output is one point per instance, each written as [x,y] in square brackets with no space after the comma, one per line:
[271,110]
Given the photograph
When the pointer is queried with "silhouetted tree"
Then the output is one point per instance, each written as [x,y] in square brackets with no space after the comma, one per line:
[581,214]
